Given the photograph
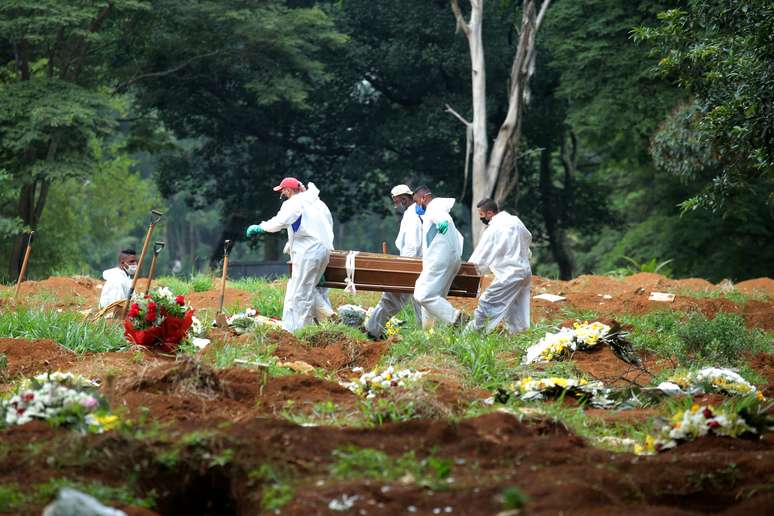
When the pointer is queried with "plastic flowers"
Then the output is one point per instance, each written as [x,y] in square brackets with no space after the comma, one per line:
[148,311]
[61,399]
[698,421]
[159,321]
[371,383]
[709,379]
[555,346]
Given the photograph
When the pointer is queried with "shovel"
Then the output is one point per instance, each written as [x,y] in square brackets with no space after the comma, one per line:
[23,270]
[220,319]
[157,247]
[155,218]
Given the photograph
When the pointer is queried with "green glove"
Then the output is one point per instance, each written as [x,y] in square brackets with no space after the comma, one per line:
[443,227]
[322,281]
[254,230]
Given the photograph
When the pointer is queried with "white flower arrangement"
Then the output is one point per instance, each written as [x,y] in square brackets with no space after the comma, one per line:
[555,346]
[352,315]
[369,384]
[60,398]
[532,389]
[698,421]
[709,379]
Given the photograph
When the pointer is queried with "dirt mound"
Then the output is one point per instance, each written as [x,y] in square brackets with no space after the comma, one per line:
[604,365]
[763,363]
[210,299]
[304,391]
[71,293]
[330,351]
[182,377]
[30,357]
[758,286]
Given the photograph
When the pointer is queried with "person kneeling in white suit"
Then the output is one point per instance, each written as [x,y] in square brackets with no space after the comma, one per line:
[503,250]
[310,238]
[441,258]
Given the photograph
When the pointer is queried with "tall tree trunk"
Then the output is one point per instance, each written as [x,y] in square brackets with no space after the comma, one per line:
[498,169]
[557,238]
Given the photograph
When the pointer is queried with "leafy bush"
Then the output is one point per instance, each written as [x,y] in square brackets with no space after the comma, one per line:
[694,338]
[721,340]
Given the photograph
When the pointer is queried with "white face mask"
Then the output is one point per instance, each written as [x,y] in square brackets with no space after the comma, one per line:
[131,270]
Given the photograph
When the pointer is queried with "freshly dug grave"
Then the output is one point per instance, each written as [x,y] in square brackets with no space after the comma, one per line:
[331,351]
[187,390]
[557,470]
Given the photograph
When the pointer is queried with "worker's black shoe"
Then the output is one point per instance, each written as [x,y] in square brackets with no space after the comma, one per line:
[374,337]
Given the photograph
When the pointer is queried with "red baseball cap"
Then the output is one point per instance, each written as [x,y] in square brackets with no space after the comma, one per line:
[288,182]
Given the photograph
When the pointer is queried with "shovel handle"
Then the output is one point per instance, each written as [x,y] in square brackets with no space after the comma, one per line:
[25,261]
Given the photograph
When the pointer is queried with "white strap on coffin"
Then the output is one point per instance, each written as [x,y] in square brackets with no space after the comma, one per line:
[350,266]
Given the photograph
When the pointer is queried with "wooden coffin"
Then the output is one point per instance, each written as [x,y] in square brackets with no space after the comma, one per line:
[388,273]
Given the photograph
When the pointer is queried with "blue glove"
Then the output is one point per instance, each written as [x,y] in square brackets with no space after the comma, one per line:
[254,230]
[443,227]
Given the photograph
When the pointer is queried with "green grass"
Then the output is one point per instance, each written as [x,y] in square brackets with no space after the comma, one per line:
[257,351]
[14,498]
[351,462]
[276,489]
[66,328]
[733,295]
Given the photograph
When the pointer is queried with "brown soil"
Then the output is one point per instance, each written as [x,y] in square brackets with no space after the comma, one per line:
[604,365]
[758,286]
[79,292]
[488,454]
[30,357]
[328,351]
[210,299]
[763,363]
[629,295]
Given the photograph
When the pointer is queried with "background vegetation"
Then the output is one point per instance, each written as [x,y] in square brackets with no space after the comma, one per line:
[110,108]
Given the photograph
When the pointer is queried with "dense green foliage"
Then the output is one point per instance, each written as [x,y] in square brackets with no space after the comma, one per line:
[647,134]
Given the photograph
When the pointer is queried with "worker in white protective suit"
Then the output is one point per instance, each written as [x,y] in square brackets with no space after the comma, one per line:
[503,250]
[118,280]
[409,244]
[310,239]
[323,308]
[441,258]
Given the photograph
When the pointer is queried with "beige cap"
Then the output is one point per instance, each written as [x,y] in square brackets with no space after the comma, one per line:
[401,190]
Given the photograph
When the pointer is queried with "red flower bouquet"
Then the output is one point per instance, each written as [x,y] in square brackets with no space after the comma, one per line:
[159,321]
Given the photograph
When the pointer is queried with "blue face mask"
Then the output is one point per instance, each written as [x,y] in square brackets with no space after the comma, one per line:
[419,209]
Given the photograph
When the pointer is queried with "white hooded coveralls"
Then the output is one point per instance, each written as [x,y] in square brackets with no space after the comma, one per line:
[116,287]
[504,250]
[441,259]
[409,244]
[310,239]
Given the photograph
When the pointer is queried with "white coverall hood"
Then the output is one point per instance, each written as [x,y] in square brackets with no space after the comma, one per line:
[409,240]
[441,256]
[116,287]
[504,250]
